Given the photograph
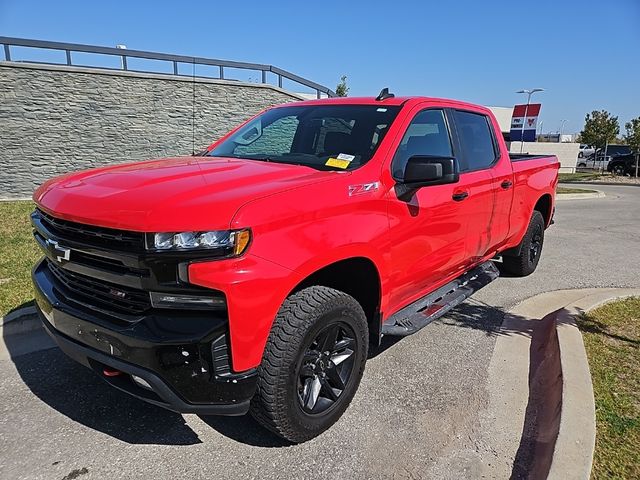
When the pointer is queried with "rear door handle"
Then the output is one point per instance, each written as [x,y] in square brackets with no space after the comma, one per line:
[506,184]
[459,196]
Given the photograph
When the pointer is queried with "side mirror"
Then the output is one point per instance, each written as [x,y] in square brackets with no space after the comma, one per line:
[426,170]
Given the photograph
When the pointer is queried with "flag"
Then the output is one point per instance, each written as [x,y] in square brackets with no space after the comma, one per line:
[526,115]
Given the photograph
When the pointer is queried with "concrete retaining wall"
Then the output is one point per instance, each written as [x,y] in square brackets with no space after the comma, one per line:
[56,119]
[567,153]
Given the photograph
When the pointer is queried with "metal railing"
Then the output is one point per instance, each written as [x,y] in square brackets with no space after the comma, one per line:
[174,60]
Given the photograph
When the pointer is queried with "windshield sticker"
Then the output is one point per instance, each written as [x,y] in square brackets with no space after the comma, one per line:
[381,110]
[335,162]
[346,156]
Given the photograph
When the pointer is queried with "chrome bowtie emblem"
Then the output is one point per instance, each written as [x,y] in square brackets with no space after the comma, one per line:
[62,254]
[117,293]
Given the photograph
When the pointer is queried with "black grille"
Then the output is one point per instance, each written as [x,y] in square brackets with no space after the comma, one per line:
[89,234]
[92,292]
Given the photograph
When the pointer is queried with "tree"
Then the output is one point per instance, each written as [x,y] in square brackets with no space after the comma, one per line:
[600,128]
[342,90]
[632,138]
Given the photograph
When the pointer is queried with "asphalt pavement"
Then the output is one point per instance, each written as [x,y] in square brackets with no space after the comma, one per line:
[417,414]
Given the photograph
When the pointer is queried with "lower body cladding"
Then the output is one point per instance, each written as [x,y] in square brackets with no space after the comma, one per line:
[175,359]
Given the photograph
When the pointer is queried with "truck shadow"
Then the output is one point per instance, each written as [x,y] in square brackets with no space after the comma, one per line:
[77,393]
[245,430]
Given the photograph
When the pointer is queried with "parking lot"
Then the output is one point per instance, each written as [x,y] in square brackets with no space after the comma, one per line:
[417,414]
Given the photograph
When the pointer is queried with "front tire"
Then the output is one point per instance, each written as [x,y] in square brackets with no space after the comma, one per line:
[312,365]
[530,249]
[618,170]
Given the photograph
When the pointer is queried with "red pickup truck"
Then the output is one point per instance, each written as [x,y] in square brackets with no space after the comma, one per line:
[257,275]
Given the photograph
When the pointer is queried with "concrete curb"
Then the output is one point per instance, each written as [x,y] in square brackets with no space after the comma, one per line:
[21,199]
[610,184]
[579,196]
[21,332]
[573,453]
[564,444]
[20,320]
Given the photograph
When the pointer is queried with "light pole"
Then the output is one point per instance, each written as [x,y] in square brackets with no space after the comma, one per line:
[526,110]
[541,131]
[562,124]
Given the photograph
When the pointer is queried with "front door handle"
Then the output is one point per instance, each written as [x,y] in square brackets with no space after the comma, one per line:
[459,196]
[506,184]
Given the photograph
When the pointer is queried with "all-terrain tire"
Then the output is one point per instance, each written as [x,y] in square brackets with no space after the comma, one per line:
[530,249]
[278,403]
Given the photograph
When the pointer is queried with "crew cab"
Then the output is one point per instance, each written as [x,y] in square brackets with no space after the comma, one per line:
[256,276]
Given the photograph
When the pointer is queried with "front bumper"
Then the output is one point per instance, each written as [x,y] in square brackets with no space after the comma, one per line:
[182,355]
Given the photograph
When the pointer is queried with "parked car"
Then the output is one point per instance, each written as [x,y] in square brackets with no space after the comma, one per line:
[585,151]
[600,161]
[258,276]
[623,165]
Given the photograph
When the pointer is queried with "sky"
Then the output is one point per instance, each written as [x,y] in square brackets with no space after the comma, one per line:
[584,53]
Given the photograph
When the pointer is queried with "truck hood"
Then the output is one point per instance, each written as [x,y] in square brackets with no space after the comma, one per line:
[172,194]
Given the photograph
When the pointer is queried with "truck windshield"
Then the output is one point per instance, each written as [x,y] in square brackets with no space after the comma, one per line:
[318,136]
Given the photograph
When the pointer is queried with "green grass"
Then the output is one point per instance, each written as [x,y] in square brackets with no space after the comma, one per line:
[18,253]
[579,177]
[612,339]
[562,190]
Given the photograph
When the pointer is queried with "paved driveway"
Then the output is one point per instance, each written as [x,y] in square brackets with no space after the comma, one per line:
[416,414]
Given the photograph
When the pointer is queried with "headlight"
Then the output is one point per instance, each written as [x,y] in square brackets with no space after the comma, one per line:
[228,242]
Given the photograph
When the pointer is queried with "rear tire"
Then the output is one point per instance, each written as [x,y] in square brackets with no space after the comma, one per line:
[530,249]
[312,364]
[618,170]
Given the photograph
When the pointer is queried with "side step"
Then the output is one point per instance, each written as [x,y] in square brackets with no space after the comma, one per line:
[425,310]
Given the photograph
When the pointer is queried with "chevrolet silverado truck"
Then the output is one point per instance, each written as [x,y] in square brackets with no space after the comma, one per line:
[256,276]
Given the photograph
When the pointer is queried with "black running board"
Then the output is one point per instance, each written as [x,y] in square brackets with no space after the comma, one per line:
[432,306]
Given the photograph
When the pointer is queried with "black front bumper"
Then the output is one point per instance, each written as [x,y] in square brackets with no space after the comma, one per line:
[182,355]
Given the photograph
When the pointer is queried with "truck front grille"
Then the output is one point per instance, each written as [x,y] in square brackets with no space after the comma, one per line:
[92,292]
[92,235]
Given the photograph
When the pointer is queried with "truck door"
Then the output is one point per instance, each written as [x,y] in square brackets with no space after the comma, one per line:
[427,232]
[478,154]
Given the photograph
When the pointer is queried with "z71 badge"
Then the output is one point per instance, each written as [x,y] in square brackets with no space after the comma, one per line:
[363,188]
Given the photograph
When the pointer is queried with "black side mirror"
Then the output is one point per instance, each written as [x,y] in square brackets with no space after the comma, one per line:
[426,170]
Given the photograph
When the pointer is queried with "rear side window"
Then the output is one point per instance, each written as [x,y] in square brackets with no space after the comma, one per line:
[426,135]
[476,140]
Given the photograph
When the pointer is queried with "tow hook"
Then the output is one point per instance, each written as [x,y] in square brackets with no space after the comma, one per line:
[110,372]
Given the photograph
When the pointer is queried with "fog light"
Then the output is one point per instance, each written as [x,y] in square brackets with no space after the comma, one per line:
[170,300]
[141,382]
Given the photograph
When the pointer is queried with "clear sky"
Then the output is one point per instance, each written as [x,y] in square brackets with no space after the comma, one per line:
[585,53]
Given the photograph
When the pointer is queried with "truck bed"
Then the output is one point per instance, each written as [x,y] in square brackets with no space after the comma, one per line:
[519,157]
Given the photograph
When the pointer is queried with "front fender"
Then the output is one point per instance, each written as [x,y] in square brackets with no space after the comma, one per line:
[254,288]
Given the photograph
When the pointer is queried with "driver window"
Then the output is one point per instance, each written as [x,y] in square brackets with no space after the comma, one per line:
[426,135]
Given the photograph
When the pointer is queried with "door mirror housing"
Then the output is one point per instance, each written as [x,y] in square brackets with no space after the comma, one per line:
[426,170]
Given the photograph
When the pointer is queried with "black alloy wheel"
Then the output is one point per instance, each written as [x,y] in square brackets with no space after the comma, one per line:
[535,247]
[326,368]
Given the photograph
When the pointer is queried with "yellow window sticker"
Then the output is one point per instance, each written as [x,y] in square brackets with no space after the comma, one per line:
[334,162]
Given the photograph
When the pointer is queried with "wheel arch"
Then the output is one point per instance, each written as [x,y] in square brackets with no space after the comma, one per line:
[544,205]
[358,277]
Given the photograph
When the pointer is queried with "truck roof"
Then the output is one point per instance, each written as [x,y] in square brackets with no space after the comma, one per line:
[387,101]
